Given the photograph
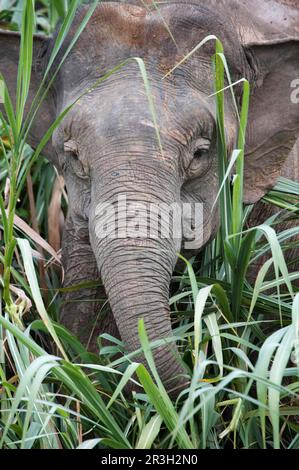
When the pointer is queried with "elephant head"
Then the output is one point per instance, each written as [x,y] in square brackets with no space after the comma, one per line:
[111,150]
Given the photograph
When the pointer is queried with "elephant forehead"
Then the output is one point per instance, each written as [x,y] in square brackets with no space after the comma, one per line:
[164,34]
[116,32]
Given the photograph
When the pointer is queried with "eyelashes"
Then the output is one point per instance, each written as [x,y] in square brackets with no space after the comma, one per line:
[201,148]
[200,158]
[71,160]
[201,153]
[71,147]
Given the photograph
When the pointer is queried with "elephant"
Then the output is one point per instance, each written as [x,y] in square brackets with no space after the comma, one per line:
[110,144]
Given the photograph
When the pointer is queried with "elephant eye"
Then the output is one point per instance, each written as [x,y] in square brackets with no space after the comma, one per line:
[71,152]
[202,148]
[200,158]
[201,152]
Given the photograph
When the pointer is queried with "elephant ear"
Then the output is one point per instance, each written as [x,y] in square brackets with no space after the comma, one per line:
[269,32]
[9,58]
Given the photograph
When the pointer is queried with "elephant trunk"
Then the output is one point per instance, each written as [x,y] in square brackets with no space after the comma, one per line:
[136,270]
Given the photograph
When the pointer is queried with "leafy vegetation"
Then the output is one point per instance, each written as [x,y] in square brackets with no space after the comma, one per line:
[238,339]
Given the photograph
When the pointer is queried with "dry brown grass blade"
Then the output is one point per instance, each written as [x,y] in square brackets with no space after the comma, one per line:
[36,255]
[55,215]
[6,192]
[18,222]
[34,224]
[21,298]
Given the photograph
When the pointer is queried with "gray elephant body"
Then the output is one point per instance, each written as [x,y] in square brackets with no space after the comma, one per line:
[107,145]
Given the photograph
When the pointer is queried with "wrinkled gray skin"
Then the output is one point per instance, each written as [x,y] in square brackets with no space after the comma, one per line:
[107,144]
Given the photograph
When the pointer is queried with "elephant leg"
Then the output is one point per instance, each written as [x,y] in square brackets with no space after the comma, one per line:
[84,311]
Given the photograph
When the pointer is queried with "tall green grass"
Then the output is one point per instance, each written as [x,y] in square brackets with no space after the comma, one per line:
[239,341]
